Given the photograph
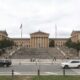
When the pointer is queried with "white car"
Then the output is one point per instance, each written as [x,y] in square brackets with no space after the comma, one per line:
[71,64]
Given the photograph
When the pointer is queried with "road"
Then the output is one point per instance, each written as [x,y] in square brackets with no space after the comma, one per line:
[32,69]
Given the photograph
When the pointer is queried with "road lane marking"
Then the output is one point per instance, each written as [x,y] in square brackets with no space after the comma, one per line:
[17,73]
[50,73]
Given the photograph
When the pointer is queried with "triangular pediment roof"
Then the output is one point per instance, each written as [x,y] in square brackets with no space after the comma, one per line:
[39,32]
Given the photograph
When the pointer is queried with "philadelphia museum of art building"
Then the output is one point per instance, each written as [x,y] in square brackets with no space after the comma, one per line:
[40,39]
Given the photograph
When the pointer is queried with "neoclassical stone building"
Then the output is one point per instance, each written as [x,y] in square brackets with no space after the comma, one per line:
[3,35]
[41,39]
[75,36]
[22,42]
[60,42]
[37,40]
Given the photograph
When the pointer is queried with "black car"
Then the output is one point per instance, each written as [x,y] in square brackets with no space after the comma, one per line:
[5,62]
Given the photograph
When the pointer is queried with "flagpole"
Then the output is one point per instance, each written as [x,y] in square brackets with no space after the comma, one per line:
[21,33]
[21,36]
[55,31]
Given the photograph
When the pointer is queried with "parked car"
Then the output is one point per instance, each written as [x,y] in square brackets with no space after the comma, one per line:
[5,62]
[71,64]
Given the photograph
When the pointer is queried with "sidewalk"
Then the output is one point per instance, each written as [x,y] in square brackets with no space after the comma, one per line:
[42,61]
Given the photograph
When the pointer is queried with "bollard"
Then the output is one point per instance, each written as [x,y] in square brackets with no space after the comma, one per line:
[12,74]
[38,72]
[63,71]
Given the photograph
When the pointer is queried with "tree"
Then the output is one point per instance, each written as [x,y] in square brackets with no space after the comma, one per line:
[76,46]
[51,43]
[69,43]
[6,43]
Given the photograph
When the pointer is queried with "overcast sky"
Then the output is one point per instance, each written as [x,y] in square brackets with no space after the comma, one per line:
[35,15]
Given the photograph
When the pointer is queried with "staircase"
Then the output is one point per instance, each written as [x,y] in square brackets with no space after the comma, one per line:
[27,53]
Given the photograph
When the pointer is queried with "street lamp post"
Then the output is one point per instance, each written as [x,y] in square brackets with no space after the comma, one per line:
[38,68]
[38,62]
[12,74]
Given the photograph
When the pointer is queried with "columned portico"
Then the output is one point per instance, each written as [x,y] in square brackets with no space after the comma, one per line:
[39,40]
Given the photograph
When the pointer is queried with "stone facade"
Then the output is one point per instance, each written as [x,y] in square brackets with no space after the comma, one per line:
[60,42]
[41,39]
[3,35]
[75,36]
[22,42]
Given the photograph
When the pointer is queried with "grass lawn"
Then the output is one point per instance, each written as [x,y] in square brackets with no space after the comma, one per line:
[57,78]
[16,78]
[5,78]
[40,78]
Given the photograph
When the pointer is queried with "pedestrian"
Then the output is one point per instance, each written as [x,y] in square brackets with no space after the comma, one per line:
[54,58]
[31,59]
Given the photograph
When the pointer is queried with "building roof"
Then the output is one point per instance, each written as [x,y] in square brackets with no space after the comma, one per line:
[39,32]
[59,38]
[20,38]
[75,32]
[4,32]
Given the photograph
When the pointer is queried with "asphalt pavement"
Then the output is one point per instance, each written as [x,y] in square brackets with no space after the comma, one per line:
[32,69]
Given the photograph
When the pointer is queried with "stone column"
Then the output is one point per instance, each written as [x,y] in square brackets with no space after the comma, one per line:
[35,42]
[32,42]
[44,42]
[48,42]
